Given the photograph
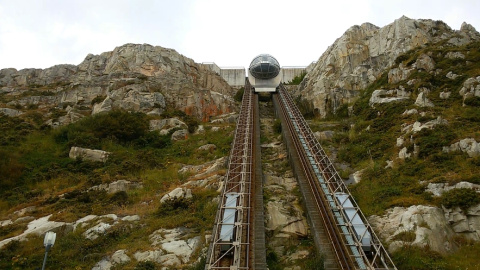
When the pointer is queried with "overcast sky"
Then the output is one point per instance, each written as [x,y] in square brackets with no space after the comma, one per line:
[43,33]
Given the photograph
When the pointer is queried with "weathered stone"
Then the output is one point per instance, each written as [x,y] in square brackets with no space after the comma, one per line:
[387,96]
[180,135]
[104,264]
[410,112]
[445,95]
[120,257]
[425,62]
[177,194]
[468,145]
[363,53]
[166,125]
[423,101]
[403,154]
[401,73]
[455,55]
[10,112]
[37,227]
[88,154]
[437,189]
[451,75]
[99,229]
[428,223]
[207,147]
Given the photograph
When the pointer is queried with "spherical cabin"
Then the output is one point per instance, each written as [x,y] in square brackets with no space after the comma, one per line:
[264,73]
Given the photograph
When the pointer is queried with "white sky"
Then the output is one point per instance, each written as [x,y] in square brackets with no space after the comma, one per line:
[43,33]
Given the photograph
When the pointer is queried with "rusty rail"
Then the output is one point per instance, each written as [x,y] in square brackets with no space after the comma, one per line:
[348,244]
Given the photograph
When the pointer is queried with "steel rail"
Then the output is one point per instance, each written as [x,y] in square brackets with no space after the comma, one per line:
[238,180]
[329,184]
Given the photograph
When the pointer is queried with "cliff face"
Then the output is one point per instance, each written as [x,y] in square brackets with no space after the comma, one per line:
[132,77]
[359,57]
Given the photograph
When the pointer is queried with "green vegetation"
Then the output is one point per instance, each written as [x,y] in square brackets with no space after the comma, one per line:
[239,95]
[462,197]
[35,169]
[367,139]
[297,79]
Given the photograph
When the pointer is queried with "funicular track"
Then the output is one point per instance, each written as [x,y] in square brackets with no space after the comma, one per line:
[341,232]
[234,242]
[354,243]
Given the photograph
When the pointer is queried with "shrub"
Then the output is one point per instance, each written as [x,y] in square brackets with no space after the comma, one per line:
[472,101]
[461,197]
[239,95]
[277,126]
[147,265]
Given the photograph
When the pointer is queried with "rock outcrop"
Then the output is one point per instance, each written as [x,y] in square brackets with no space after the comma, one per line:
[88,154]
[136,77]
[362,54]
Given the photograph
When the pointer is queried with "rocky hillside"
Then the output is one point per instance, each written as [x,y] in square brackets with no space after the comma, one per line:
[408,137]
[131,77]
[362,53]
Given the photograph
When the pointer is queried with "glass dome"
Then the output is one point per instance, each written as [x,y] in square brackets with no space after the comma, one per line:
[264,67]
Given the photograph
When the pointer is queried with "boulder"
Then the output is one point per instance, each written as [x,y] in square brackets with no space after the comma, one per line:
[116,186]
[180,135]
[445,95]
[10,112]
[427,223]
[97,230]
[468,145]
[401,73]
[425,62]
[423,101]
[455,55]
[38,227]
[165,125]
[88,154]
[177,194]
[387,96]
[437,189]
[207,147]
[470,88]
[177,242]
[451,75]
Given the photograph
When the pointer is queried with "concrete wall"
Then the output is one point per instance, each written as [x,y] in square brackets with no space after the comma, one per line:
[213,67]
[233,76]
[291,72]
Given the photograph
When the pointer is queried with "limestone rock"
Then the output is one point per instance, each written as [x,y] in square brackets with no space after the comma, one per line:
[387,96]
[180,135]
[174,242]
[120,257]
[88,154]
[401,73]
[425,62]
[116,186]
[38,227]
[418,126]
[437,189]
[177,194]
[137,77]
[165,125]
[403,154]
[207,147]
[99,229]
[451,75]
[470,88]
[468,145]
[104,264]
[363,52]
[427,223]
[10,112]
[445,95]
[423,101]
[455,55]
[465,223]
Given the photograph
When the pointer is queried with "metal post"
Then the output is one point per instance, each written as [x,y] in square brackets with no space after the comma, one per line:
[47,248]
